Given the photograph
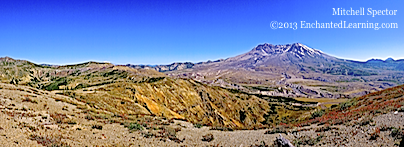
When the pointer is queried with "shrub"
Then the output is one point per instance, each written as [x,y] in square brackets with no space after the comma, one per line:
[207,137]
[323,129]
[135,127]
[317,113]
[375,134]
[48,140]
[58,117]
[99,127]
[365,122]
[170,131]
[346,104]
[198,125]
[277,129]
[71,122]
[80,86]
[397,133]
[306,140]
[221,128]
[27,99]
[167,133]
[401,109]
[89,117]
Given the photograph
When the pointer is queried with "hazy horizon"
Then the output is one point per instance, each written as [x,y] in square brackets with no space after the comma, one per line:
[194,61]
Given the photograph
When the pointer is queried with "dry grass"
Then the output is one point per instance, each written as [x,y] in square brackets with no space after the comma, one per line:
[369,105]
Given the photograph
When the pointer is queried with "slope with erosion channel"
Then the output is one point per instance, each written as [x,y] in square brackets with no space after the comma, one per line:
[33,117]
[119,91]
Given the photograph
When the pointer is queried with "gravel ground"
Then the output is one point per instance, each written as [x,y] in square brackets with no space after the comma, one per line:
[355,135]
[193,137]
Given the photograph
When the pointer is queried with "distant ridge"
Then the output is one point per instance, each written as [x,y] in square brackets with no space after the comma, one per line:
[298,51]
[293,67]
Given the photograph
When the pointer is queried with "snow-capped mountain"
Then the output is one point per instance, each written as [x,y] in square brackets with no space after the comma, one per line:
[297,49]
[292,70]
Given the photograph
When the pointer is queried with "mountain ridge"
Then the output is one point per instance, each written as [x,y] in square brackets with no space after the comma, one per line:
[266,49]
[292,66]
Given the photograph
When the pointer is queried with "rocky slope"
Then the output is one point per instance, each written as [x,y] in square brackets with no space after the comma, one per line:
[124,91]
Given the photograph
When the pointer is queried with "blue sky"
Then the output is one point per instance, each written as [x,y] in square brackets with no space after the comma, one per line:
[162,32]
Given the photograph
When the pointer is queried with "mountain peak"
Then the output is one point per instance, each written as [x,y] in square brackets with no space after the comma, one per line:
[297,49]
[6,59]
[298,44]
[373,60]
[389,59]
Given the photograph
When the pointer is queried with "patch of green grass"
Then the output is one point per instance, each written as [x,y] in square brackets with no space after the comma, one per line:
[55,85]
[198,125]
[347,104]
[317,113]
[135,127]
